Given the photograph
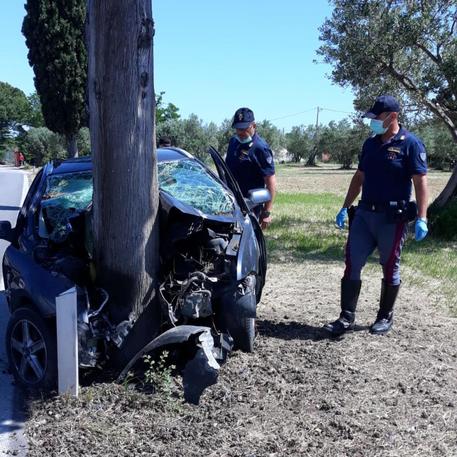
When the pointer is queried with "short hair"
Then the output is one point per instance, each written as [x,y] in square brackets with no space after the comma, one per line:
[164,141]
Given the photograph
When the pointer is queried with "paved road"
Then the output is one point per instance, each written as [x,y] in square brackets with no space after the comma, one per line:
[13,187]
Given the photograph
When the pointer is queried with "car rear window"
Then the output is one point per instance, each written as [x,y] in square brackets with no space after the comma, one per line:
[191,183]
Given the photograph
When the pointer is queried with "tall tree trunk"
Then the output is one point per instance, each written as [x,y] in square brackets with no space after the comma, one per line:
[121,100]
[72,146]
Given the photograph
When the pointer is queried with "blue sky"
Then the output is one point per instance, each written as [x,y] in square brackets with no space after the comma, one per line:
[212,57]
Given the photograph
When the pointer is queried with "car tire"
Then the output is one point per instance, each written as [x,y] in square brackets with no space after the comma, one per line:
[31,347]
[240,326]
[244,335]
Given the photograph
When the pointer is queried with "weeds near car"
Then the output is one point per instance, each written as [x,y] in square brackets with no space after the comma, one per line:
[158,374]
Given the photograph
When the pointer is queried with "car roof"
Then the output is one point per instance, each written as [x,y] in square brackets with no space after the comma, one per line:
[82,164]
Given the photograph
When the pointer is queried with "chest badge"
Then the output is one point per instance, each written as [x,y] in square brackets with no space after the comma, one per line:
[392,152]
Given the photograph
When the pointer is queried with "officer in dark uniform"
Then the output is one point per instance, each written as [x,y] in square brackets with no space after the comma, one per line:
[250,160]
[390,160]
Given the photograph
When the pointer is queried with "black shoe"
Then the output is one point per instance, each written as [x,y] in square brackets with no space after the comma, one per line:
[382,325]
[339,327]
[385,317]
[350,290]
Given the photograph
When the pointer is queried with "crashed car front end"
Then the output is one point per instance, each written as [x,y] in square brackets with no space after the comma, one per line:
[209,264]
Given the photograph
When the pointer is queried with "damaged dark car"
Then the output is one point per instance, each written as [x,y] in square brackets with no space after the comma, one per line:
[212,266]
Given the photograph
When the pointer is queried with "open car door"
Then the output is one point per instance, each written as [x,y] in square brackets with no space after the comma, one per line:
[226,176]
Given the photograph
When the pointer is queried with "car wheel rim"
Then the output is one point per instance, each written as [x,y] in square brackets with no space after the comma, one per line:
[28,352]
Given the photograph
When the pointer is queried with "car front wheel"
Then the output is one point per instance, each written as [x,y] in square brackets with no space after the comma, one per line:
[238,310]
[32,350]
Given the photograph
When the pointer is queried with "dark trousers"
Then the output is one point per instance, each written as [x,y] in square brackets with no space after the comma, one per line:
[370,230]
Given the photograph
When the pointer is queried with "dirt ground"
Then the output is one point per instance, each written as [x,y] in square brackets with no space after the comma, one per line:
[299,394]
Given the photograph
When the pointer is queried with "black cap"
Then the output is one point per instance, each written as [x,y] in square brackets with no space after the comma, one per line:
[242,118]
[383,104]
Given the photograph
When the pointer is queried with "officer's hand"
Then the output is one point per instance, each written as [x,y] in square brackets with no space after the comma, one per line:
[341,217]
[265,222]
[421,229]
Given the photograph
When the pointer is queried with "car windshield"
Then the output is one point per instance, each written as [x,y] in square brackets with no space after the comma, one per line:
[190,182]
[186,180]
[65,195]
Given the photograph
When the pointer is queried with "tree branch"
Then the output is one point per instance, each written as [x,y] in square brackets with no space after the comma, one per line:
[436,108]
[435,58]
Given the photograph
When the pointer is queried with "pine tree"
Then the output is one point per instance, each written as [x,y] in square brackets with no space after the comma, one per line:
[54,32]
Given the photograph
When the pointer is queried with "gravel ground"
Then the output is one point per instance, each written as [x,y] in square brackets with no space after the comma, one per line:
[298,394]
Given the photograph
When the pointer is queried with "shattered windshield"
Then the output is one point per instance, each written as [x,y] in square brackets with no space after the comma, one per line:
[186,180]
[65,195]
[189,182]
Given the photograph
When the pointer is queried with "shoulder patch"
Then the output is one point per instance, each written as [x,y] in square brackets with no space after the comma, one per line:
[423,156]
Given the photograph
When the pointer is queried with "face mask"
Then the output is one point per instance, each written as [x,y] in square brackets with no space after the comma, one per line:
[248,139]
[377,127]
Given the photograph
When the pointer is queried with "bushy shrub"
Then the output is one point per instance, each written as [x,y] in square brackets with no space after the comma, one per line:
[443,221]
[41,145]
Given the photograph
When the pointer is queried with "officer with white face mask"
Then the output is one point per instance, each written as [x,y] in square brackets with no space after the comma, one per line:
[391,160]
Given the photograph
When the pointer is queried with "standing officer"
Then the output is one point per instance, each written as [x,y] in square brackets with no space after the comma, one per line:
[390,159]
[250,160]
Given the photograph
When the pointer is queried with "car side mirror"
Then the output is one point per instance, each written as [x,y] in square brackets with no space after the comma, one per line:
[257,197]
[6,232]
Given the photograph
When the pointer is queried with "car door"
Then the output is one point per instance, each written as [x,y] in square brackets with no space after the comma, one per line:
[226,176]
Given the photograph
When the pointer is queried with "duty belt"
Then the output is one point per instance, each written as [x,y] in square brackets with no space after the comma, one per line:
[380,207]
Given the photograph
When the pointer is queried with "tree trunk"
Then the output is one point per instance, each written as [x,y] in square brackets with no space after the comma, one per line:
[311,162]
[449,191]
[72,146]
[126,197]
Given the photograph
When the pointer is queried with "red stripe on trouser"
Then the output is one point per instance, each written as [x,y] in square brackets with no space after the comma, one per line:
[395,253]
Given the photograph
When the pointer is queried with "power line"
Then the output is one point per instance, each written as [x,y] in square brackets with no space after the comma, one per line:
[309,110]
[337,111]
[294,114]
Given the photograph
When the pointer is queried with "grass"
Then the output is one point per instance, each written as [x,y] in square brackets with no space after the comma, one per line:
[304,228]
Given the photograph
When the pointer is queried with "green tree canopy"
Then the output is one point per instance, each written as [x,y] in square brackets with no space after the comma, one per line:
[15,110]
[271,134]
[300,142]
[164,112]
[14,106]
[54,32]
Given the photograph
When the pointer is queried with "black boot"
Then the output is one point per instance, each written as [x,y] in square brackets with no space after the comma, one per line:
[350,290]
[385,315]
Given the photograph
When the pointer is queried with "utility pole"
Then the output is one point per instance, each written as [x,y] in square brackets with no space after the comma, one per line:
[311,162]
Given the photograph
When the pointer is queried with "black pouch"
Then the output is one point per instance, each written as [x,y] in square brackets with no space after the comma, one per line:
[411,211]
[401,211]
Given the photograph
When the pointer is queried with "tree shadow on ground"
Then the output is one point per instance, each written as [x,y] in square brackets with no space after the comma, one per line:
[297,330]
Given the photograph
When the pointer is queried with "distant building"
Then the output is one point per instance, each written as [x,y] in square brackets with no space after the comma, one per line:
[282,155]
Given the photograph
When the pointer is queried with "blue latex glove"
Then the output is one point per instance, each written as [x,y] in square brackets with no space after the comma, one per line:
[341,217]
[421,229]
